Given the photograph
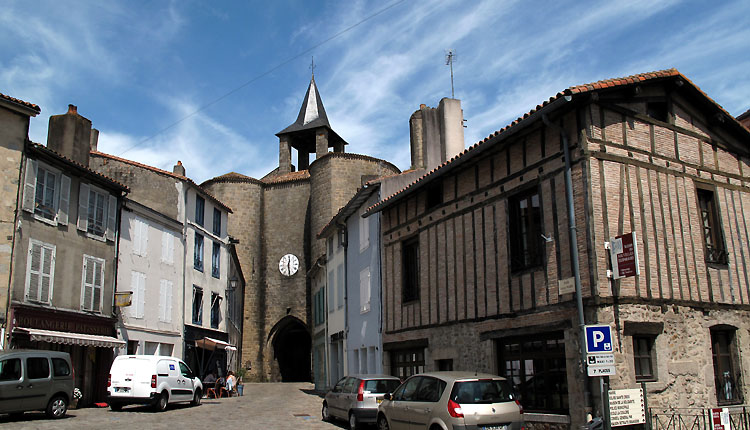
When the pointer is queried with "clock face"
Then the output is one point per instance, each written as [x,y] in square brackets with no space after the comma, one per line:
[288,265]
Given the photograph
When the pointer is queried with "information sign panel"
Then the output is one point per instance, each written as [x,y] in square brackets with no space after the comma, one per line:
[601,370]
[624,256]
[601,359]
[626,407]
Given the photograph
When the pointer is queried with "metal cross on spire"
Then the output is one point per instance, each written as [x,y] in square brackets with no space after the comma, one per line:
[312,67]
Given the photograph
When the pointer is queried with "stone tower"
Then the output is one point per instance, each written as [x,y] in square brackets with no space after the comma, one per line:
[281,214]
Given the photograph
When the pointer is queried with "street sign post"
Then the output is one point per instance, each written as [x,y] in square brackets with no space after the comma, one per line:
[626,407]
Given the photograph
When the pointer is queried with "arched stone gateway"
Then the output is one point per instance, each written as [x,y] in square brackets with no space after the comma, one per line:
[291,343]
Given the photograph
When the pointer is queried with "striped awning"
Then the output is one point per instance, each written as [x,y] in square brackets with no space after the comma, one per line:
[71,338]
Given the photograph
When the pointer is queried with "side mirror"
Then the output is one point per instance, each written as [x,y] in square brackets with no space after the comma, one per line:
[387,396]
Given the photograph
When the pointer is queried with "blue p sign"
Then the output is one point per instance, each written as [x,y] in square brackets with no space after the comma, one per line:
[598,338]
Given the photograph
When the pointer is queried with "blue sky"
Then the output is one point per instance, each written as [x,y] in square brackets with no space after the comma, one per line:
[140,70]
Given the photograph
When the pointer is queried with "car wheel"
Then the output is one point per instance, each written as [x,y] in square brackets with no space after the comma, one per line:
[324,412]
[57,407]
[382,423]
[197,398]
[115,407]
[352,421]
[161,402]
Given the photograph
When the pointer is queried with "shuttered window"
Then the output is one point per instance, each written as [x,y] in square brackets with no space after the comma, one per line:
[198,252]
[138,287]
[97,213]
[46,192]
[140,237]
[364,291]
[165,301]
[40,269]
[216,260]
[217,222]
[167,247]
[93,284]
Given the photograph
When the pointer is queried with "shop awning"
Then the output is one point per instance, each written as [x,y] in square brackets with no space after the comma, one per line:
[71,338]
[212,344]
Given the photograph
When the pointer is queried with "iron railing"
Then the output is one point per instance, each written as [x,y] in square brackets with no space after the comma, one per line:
[695,418]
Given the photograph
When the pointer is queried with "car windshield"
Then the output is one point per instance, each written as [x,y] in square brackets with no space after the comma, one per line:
[380,386]
[482,391]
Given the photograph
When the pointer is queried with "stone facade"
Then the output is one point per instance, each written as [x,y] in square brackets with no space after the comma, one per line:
[281,214]
[641,148]
[14,129]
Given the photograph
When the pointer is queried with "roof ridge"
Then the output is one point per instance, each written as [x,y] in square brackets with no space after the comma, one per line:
[26,104]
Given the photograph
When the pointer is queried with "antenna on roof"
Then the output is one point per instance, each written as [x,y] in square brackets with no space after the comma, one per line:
[450,56]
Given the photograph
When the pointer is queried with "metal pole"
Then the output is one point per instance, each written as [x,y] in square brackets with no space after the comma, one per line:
[645,405]
[574,255]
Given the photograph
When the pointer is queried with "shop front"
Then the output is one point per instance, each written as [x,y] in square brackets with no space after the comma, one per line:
[89,340]
[207,350]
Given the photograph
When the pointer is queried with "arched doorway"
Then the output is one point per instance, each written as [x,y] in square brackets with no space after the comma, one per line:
[291,349]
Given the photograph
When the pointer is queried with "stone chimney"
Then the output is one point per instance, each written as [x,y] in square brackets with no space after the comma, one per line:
[94,139]
[70,135]
[436,134]
[179,169]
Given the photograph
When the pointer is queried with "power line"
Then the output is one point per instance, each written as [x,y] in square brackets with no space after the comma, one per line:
[267,72]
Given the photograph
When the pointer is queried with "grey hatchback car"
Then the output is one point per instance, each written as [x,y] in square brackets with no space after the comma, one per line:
[35,380]
[356,397]
[451,400]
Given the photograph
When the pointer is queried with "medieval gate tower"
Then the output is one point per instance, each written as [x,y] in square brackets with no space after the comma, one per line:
[276,220]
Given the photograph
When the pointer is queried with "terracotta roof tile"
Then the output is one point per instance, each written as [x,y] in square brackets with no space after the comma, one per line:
[31,106]
[42,148]
[163,172]
[300,175]
[577,89]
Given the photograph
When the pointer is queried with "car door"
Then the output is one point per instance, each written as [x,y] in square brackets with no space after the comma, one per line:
[37,382]
[425,402]
[334,402]
[400,407]
[10,385]
[186,381]
[348,396]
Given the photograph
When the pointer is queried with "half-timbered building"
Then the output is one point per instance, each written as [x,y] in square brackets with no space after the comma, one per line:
[479,268]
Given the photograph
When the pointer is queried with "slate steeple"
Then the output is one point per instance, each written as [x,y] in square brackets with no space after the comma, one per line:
[310,133]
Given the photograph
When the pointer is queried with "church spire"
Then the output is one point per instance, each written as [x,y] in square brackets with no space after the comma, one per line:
[312,114]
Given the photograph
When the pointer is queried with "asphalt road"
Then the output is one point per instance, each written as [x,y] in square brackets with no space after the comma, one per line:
[292,406]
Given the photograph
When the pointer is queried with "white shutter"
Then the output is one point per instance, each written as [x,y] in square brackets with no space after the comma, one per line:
[134,277]
[144,238]
[33,264]
[162,299]
[141,294]
[98,286]
[168,314]
[87,284]
[64,208]
[136,236]
[29,186]
[83,207]
[45,288]
[111,218]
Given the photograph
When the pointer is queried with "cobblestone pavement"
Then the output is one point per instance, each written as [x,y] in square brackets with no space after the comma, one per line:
[264,406]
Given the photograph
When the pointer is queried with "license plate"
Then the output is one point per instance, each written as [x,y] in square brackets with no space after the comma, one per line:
[494,428]
[122,389]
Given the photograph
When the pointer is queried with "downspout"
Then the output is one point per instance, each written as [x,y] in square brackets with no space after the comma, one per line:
[380,297]
[345,244]
[184,272]
[6,331]
[574,257]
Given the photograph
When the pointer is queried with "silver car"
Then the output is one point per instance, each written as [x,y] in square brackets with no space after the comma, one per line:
[451,400]
[32,380]
[356,397]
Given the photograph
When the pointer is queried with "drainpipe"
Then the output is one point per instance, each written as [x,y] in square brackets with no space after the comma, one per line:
[574,257]
[345,244]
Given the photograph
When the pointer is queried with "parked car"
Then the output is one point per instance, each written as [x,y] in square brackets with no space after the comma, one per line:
[450,400]
[151,380]
[32,380]
[355,398]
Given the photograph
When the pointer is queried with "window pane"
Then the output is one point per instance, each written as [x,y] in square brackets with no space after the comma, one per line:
[10,370]
[60,367]
[37,367]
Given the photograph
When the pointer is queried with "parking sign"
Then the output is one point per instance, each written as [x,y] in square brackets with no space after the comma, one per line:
[598,339]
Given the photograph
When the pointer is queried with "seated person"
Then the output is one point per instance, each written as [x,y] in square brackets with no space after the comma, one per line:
[210,379]
[231,382]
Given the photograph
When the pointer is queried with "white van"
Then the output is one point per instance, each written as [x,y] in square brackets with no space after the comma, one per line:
[153,380]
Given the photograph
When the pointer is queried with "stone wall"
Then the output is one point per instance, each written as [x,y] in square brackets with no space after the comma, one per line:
[245,197]
[13,132]
[147,187]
